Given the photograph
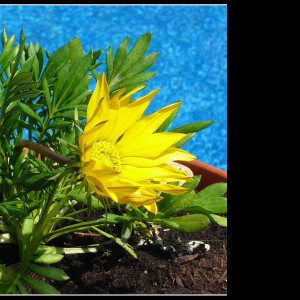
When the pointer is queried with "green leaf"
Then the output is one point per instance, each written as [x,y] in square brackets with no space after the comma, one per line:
[48,258]
[27,125]
[24,95]
[80,88]
[79,98]
[192,127]
[214,190]
[184,140]
[62,75]
[27,65]
[209,205]
[60,124]
[136,79]
[36,181]
[21,287]
[77,72]
[46,94]
[27,228]
[120,56]
[187,223]
[49,272]
[168,121]
[44,250]
[6,47]
[219,220]
[15,211]
[140,66]
[109,62]
[136,52]
[7,275]
[21,78]
[126,231]
[11,56]
[71,51]
[171,204]
[30,112]
[81,198]
[9,122]
[39,286]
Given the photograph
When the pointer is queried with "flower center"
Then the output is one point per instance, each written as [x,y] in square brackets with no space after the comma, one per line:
[107,153]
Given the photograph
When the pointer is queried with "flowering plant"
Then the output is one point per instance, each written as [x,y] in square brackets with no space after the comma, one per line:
[88,151]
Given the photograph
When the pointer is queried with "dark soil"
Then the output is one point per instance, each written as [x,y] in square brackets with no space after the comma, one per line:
[154,272]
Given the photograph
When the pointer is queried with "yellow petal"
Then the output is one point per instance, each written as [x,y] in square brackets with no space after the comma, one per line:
[149,124]
[99,115]
[160,173]
[116,96]
[91,135]
[126,117]
[165,188]
[171,154]
[151,207]
[101,90]
[99,170]
[149,146]
[124,101]
[140,197]
[100,188]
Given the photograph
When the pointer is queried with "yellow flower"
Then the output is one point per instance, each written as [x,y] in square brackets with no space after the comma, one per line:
[121,153]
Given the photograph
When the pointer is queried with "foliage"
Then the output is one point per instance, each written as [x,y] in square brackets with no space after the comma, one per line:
[44,96]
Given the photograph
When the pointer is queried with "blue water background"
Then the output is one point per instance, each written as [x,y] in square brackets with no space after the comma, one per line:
[192,65]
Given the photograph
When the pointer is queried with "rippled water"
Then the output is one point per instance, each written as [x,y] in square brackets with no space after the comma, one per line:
[192,65]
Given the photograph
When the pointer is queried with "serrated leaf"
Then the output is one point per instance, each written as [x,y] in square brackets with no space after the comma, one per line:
[77,71]
[7,46]
[25,95]
[36,181]
[11,56]
[62,75]
[27,125]
[136,79]
[71,51]
[137,51]
[11,121]
[120,56]
[30,112]
[27,65]
[21,78]
[80,88]
[140,66]
[46,94]
[109,63]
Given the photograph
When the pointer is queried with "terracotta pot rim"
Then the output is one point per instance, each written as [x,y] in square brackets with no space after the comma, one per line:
[209,174]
